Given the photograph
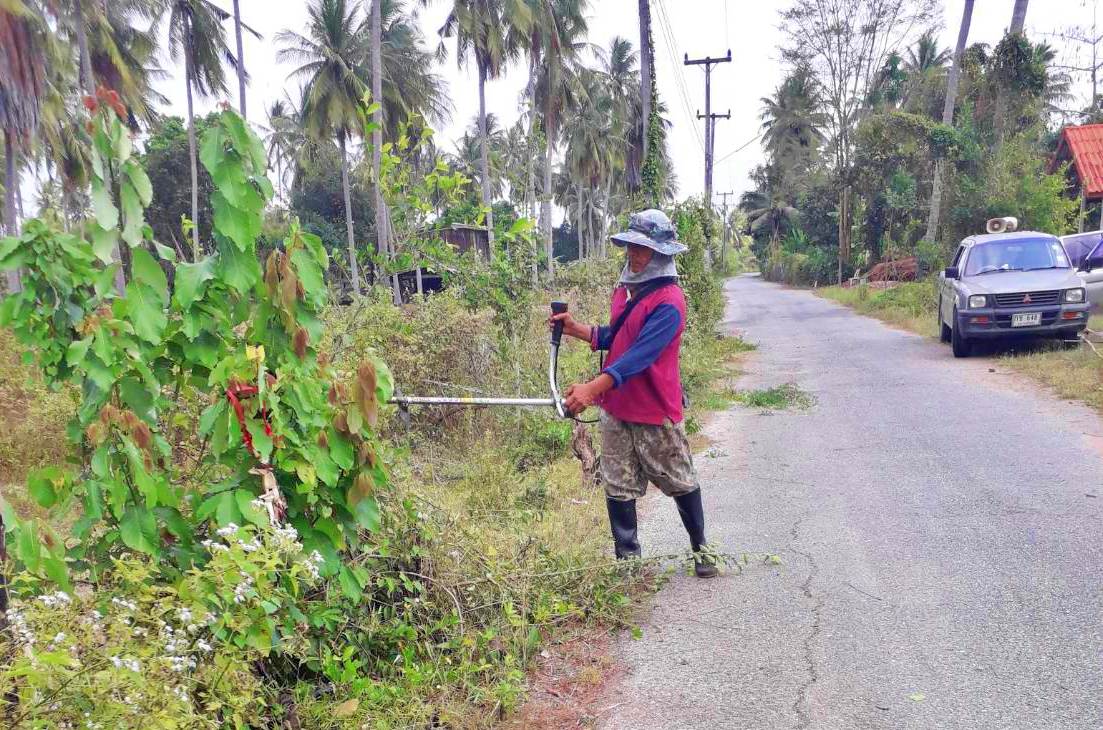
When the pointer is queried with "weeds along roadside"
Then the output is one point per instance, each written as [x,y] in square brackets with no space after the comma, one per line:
[487,514]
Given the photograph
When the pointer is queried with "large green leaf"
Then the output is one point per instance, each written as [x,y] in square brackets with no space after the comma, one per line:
[210,148]
[146,314]
[147,271]
[138,529]
[240,226]
[230,180]
[190,279]
[27,547]
[44,483]
[133,215]
[310,275]
[135,394]
[140,180]
[244,499]
[107,215]
[103,243]
[240,270]
[204,349]
[99,374]
[367,513]
[74,356]
[384,380]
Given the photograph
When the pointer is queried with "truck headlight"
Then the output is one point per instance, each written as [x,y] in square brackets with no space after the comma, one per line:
[978,301]
[1074,296]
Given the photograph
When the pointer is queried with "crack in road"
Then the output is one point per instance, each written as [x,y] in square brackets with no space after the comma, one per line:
[804,719]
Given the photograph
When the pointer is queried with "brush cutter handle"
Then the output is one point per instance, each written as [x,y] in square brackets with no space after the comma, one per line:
[557,329]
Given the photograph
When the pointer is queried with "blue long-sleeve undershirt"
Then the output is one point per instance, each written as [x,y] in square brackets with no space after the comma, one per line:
[658,330]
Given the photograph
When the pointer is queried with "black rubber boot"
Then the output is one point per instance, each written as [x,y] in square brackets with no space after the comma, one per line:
[692,513]
[622,521]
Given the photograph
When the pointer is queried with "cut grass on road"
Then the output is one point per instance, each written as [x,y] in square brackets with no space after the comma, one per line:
[1072,374]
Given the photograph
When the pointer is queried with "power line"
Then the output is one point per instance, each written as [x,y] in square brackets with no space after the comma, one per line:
[741,147]
[680,83]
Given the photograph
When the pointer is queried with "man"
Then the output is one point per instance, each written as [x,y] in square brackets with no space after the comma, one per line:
[639,389]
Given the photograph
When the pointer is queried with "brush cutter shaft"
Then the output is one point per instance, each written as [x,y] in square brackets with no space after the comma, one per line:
[556,401]
[433,401]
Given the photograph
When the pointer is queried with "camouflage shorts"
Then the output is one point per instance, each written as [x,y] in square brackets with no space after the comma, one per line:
[633,454]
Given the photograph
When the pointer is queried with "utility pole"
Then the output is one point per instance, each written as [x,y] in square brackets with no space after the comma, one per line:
[710,146]
[727,230]
[710,130]
[708,62]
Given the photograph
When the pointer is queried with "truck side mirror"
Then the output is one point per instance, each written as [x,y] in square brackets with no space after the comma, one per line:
[951,272]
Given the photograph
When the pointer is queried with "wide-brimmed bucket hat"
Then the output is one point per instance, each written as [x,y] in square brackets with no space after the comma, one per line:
[651,228]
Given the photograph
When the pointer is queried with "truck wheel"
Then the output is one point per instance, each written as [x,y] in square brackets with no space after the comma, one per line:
[943,328]
[961,346]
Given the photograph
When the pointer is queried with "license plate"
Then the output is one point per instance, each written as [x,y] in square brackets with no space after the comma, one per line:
[1026,319]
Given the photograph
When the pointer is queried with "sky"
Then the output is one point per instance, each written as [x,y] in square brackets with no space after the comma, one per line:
[749,28]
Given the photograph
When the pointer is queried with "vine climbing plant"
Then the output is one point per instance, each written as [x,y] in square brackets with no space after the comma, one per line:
[281,436]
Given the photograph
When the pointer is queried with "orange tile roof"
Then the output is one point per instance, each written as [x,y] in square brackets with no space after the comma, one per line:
[1084,145]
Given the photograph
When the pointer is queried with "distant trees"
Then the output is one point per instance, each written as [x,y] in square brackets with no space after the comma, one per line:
[846,43]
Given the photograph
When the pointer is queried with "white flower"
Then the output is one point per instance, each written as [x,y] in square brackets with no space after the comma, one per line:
[117,662]
[59,638]
[249,547]
[202,645]
[133,665]
[185,615]
[228,530]
[214,546]
[50,600]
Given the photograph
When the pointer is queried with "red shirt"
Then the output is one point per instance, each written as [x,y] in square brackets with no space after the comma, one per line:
[655,393]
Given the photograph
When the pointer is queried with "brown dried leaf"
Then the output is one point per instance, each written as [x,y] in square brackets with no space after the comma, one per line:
[365,393]
[301,342]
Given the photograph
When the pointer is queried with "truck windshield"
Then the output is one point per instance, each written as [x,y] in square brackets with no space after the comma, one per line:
[1016,255]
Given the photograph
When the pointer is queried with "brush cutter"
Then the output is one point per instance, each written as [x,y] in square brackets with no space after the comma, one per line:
[555,400]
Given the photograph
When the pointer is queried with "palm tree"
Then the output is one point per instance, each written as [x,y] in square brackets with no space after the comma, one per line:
[411,86]
[23,39]
[925,56]
[283,141]
[482,29]
[793,123]
[767,212]
[595,152]
[241,60]
[948,118]
[196,33]
[622,78]
[557,90]
[1018,17]
[1057,92]
[123,55]
[468,158]
[332,53]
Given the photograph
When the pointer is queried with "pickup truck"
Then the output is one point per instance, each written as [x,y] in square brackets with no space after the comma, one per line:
[1004,285]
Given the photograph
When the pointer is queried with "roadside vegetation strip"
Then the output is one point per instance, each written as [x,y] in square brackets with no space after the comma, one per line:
[481,545]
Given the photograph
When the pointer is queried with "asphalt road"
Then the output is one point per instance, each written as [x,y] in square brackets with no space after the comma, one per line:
[939,531]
